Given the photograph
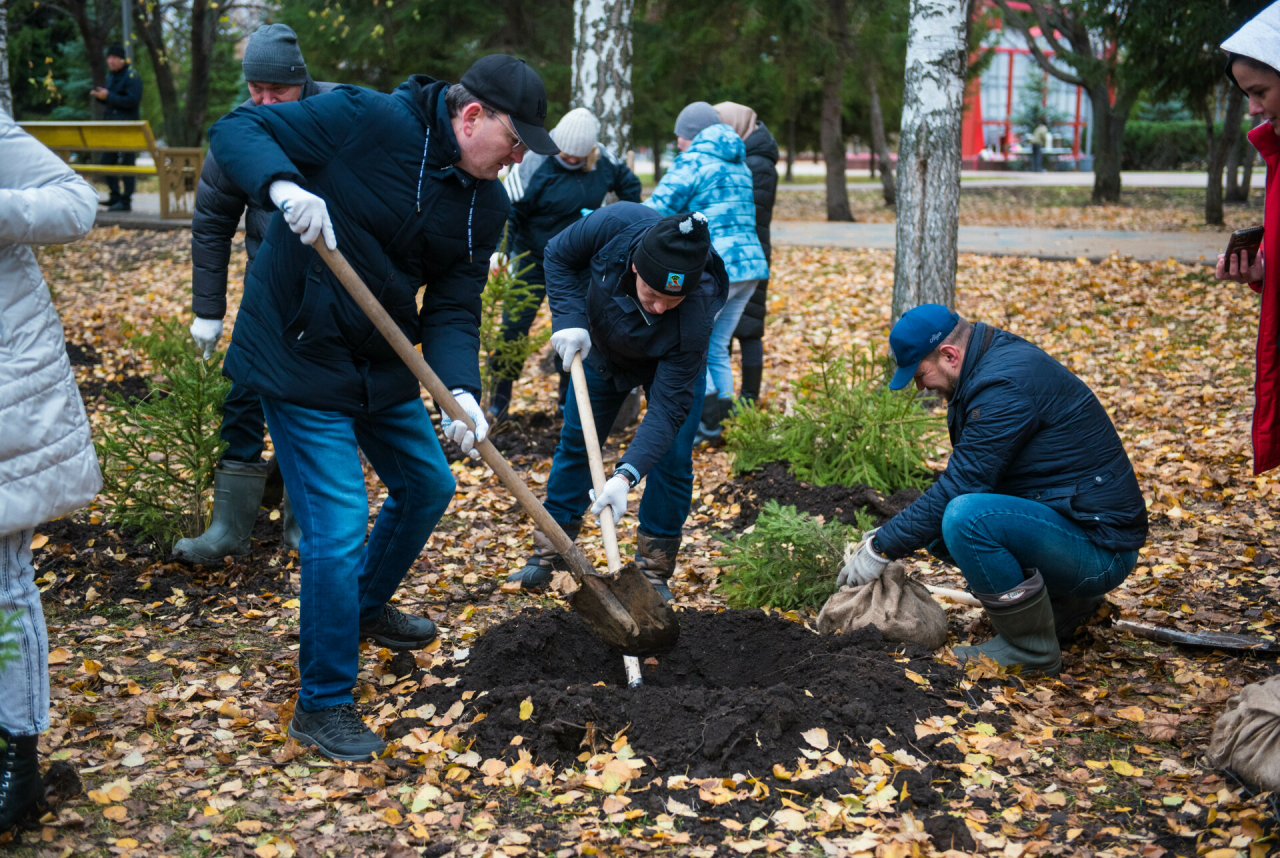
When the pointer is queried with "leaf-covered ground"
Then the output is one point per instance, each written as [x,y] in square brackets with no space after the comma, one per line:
[1141,209]
[171,685]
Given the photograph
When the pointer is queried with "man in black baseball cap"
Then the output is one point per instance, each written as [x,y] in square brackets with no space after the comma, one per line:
[402,184]
[636,294]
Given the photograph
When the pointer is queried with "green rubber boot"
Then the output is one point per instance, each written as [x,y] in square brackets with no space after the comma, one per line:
[237,494]
[1023,620]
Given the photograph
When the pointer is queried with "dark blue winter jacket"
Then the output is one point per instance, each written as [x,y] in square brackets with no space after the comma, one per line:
[404,217]
[124,94]
[1021,424]
[553,197]
[590,285]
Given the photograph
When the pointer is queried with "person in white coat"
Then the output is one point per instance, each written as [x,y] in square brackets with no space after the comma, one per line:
[48,466]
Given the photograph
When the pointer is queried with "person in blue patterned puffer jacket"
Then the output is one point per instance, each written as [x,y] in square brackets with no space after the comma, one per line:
[711,176]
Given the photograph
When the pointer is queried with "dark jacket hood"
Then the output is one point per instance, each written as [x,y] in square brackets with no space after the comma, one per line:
[760,144]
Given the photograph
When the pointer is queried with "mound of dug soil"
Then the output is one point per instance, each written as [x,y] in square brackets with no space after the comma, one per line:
[733,696]
[775,481]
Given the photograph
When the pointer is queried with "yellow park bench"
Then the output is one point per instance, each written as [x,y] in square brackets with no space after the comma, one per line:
[177,169]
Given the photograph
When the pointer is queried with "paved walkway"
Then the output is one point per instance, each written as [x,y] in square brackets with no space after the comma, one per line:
[1094,244]
[999,179]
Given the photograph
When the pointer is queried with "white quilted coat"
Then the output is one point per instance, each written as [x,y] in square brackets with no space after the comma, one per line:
[47,463]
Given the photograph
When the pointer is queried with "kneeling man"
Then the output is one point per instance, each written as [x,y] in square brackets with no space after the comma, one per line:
[1038,506]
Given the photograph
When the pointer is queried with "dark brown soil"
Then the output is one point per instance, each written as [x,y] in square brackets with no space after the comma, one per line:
[132,387]
[775,481]
[532,434]
[733,696]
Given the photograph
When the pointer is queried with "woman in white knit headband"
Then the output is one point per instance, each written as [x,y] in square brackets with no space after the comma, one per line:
[548,193]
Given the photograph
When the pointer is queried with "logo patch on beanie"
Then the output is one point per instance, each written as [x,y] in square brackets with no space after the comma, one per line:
[675,282]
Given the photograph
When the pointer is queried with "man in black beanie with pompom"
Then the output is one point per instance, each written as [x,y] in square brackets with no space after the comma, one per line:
[636,294]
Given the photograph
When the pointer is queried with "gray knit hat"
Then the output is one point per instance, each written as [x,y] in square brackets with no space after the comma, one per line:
[694,118]
[273,56]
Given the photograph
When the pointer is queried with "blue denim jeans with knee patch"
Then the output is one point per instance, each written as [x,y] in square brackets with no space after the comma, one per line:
[994,538]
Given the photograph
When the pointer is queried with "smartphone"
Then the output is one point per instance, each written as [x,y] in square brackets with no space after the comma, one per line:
[1248,240]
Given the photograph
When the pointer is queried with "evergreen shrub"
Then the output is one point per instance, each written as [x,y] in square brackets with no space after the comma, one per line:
[506,292]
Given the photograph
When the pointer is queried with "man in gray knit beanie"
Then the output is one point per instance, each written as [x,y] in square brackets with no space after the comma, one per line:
[273,65]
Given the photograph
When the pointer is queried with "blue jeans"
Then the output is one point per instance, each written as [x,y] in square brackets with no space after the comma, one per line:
[243,425]
[719,370]
[669,487]
[344,578]
[993,538]
[24,681]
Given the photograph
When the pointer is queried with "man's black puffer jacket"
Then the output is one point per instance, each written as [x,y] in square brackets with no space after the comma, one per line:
[219,205]
[762,158]
[1022,424]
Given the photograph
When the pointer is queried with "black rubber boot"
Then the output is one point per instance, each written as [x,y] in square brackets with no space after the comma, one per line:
[536,574]
[656,557]
[1070,614]
[397,630]
[751,378]
[337,732]
[499,402]
[21,790]
[237,494]
[291,534]
[1023,620]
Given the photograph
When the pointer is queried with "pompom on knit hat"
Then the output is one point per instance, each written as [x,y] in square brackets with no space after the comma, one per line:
[694,118]
[273,56]
[576,134]
[673,253]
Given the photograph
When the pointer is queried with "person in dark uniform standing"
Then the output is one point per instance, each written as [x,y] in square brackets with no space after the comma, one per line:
[636,294]
[122,96]
[276,73]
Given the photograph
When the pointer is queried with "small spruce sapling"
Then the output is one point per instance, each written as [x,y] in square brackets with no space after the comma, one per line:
[506,293]
[158,454]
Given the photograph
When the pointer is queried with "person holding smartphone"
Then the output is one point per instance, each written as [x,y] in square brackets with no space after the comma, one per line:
[1251,65]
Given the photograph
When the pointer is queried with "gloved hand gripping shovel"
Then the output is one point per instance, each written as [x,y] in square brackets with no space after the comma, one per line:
[624,612]
[636,582]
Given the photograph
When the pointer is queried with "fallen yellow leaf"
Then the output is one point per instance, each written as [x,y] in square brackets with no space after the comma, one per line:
[40,541]
[816,737]
[526,709]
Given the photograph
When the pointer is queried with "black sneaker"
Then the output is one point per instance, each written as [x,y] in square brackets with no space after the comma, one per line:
[337,732]
[397,630]
[120,206]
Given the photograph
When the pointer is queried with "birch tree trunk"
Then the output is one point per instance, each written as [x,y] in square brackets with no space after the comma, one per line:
[6,95]
[928,180]
[602,67]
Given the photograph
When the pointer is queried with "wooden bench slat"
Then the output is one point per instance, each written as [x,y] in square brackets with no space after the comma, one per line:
[122,169]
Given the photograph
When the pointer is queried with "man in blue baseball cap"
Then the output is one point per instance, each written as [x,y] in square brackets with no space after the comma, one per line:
[1038,506]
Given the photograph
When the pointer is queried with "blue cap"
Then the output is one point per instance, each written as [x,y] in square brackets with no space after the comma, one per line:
[917,334]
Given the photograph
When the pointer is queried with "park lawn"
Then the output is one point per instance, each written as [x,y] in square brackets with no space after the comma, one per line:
[1141,209]
[170,705]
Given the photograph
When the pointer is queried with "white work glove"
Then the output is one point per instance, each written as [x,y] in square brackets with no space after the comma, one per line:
[864,567]
[497,262]
[206,333]
[457,431]
[306,214]
[614,496]
[569,342]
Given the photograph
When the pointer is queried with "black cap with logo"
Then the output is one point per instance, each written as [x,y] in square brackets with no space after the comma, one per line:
[510,85]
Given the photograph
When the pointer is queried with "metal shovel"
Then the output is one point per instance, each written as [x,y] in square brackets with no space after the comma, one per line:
[628,615]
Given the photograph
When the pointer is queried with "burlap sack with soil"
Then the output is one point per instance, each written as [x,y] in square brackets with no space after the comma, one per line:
[900,607]
[1246,738]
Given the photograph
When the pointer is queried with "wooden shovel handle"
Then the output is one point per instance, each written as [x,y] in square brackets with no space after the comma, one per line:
[592,442]
[578,564]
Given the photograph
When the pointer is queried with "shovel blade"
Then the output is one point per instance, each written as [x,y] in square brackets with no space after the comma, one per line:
[626,612]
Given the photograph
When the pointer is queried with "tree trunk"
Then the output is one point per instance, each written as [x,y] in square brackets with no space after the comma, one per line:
[657,158]
[602,68]
[881,146]
[791,147]
[1217,152]
[1246,179]
[95,22]
[928,181]
[832,108]
[149,25]
[1108,138]
[6,96]
[204,30]
[1234,157]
